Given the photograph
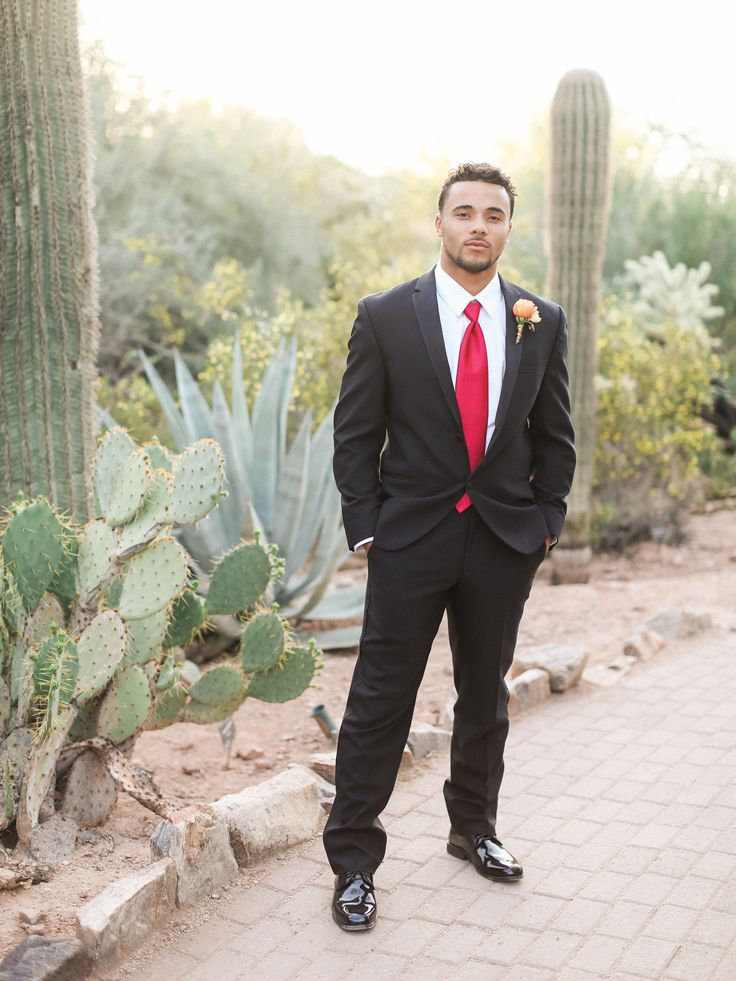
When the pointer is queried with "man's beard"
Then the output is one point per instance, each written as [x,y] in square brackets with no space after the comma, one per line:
[471,265]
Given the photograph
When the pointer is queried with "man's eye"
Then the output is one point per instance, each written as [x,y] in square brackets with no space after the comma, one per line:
[462,214]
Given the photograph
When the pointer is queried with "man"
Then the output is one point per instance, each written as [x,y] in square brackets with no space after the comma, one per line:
[454,455]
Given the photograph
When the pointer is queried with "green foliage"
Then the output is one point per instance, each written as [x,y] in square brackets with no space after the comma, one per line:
[673,295]
[187,617]
[33,550]
[287,680]
[650,436]
[238,579]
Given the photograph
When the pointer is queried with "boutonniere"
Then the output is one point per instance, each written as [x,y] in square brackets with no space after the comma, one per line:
[527,315]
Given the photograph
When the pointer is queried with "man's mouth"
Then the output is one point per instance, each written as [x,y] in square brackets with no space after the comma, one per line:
[477,243]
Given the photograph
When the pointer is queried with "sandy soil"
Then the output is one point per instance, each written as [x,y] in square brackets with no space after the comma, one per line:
[188,761]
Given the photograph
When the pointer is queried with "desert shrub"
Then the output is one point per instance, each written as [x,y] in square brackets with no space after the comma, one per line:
[651,442]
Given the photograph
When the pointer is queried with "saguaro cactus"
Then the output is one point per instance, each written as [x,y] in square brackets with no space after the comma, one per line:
[48,259]
[578,201]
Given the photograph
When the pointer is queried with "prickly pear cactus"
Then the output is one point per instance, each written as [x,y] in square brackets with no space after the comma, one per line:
[239,579]
[93,620]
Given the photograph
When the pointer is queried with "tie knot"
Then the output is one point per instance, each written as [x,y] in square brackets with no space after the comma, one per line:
[472,310]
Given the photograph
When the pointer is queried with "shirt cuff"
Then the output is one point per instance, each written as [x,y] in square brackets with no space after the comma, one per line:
[359,545]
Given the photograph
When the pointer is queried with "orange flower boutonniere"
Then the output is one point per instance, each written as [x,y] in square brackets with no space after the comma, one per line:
[527,315]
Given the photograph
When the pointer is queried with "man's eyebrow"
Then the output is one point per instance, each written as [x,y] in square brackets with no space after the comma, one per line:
[469,207]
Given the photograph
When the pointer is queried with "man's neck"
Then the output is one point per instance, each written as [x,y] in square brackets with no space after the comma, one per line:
[473,282]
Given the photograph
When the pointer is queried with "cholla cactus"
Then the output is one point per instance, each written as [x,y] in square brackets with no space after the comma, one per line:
[95,674]
[673,296]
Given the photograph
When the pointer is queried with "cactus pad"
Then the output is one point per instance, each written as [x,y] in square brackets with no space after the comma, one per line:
[85,723]
[55,668]
[153,579]
[33,550]
[152,516]
[220,684]
[199,474]
[48,614]
[112,453]
[203,713]
[159,456]
[14,753]
[169,673]
[96,552]
[287,681]
[131,486]
[64,583]
[187,616]
[190,672]
[166,708]
[100,650]
[262,642]
[239,579]
[5,707]
[125,706]
[146,637]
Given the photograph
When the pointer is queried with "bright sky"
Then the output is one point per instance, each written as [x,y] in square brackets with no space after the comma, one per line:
[384,84]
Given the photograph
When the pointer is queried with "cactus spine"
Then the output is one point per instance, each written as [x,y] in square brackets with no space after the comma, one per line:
[578,201]
[48,259]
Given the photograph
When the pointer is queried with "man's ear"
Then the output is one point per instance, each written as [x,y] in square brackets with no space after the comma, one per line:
[438,224]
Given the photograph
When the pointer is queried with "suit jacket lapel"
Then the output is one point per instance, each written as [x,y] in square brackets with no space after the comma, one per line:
[513,358]
[428,314]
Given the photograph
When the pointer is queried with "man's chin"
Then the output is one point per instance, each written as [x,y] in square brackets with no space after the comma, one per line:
[474,265]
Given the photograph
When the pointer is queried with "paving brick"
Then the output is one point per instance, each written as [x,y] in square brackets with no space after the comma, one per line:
[715,865]
[278,964]
[434,873]
[693,893]
[648,956]
[445,905]
[457,942]
[563,883]
[695,961]
[251,904]
[606,886]
[262,936]
[715,928]
[505,945]
[625,919]
[208,937]
[402,901]
[410,937]
[650,888]
[535,912]
[575,832]
[599,954]
[225,965]
[551,949]
[580,916]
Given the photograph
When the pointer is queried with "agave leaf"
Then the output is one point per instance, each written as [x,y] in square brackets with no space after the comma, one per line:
[267,415]
[292,488]
[339,604]
[241,418]
[232,507]
[196,412]
[176,422]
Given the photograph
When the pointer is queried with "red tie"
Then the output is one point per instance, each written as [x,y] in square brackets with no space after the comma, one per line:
[471,391]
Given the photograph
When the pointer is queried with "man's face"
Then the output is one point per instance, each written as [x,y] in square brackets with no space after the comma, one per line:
[474,225]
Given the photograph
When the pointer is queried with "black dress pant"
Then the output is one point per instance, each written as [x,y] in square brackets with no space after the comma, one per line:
[462,567]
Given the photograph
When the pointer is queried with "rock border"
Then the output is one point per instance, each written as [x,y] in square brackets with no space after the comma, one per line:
[206,847]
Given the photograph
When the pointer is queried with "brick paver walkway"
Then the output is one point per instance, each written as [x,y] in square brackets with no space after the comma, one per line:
[621,804]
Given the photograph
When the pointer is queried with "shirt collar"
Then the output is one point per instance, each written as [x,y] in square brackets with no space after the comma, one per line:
[457,297]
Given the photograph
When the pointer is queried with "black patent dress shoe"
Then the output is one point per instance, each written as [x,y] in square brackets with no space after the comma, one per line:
[487,855]
[354,902]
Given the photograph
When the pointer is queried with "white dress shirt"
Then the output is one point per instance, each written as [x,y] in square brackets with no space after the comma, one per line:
[452,298]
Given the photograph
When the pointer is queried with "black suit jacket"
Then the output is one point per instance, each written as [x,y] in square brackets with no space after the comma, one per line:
[400,460]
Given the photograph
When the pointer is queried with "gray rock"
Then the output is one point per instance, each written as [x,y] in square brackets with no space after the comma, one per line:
[643,644]
[324,765]
[39,959]
[425,739]
[123,916]
[200,847]
[564,663]
[31,915]
[530,689]
[53,841]
[675,624]
[325,789]
[90,791]
[606,676]
[278,812]
[450,711]
[570,565]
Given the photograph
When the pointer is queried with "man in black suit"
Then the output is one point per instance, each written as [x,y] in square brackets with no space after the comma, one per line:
[454,455]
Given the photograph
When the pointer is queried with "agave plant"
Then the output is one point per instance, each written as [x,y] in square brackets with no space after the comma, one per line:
[285,492]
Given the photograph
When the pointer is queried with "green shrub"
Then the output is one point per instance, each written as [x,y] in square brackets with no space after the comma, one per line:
[651,443]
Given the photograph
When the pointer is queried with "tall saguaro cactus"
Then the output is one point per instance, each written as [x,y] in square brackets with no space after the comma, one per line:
[48,258]
[578,201]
